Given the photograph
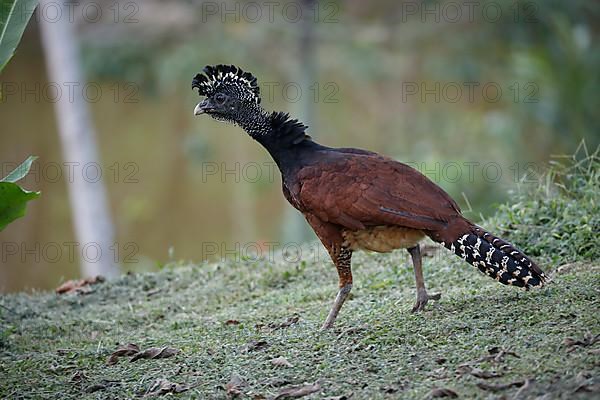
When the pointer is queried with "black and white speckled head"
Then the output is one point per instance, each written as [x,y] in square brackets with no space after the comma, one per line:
[230,93]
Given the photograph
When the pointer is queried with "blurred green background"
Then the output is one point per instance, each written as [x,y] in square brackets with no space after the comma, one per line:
[377,75]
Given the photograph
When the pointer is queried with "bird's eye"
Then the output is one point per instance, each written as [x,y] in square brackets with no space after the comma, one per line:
[220,98]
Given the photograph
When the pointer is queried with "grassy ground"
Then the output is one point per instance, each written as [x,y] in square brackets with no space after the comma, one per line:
[230,320]
[56,346]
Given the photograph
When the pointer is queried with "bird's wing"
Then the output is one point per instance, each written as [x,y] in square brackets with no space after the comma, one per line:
[359,190]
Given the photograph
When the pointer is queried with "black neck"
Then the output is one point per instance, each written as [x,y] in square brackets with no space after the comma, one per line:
[256,122]
[277,132]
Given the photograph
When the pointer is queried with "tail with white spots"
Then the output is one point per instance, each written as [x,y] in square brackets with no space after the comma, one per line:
[497,259]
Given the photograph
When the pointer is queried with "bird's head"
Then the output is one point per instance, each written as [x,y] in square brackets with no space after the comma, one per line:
[230,93]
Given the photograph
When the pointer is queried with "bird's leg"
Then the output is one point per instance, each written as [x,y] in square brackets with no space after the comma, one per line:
[342,263]
[422,296]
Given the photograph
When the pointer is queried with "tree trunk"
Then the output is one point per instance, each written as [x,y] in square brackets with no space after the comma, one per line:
[89,206]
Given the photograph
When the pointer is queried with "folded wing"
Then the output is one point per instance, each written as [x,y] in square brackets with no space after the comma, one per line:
[360,190]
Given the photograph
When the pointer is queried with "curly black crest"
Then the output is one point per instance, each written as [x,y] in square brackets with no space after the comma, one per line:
[292,130]
[227,79]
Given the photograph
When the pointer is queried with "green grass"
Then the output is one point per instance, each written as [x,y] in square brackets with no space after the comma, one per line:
[378,349]
[560,218]
[47,338]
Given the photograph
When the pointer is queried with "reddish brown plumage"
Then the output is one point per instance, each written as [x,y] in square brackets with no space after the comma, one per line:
[355,191]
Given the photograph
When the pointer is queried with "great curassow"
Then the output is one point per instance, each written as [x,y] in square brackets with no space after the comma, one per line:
[356,199]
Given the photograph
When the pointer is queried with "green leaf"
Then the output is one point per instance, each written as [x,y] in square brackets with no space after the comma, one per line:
[19,172]
[13,200]
[14,16]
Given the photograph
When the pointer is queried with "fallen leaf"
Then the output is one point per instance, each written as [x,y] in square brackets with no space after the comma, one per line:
[587,340]
[523,389]
[276,382]
[583,376]
[439,373]
[566,268]
[127,350]
[236,385]
[134,350]
[298,391]
[499,387]
[441,392]
[499,356]
[254,345]
[496,354]
[163,386]
[588,388]
[61,367]
[155,352]
[289,322]
[80,286]
[281,362]
[585,382]
[477,372]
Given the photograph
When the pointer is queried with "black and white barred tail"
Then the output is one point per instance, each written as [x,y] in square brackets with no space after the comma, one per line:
[497,259]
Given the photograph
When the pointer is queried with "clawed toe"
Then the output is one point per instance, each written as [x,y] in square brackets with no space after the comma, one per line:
[327,325]
[419,305]
[423,298]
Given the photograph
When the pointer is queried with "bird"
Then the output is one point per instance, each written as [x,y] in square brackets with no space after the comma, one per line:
[356,199]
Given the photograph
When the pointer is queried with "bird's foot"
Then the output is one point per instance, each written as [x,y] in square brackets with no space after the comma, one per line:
[337,304]
[327,325]
[422,298]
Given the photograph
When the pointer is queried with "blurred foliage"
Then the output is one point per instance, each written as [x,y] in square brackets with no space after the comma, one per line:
[550,43]
[125,61]
[543,55]
[559,221]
